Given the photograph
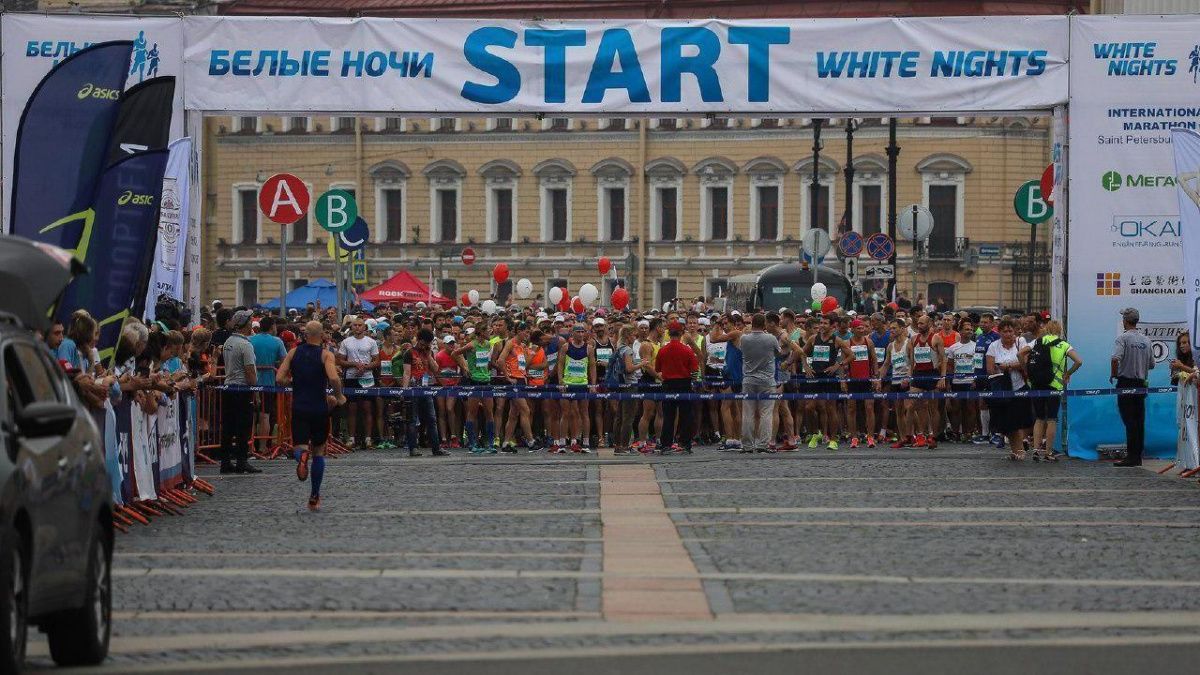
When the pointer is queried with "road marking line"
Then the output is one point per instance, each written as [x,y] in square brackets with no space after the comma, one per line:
[1181,490]
[645,568]
[386,554]
[635,512]
[155,615]
[789,479]
[936,523]
[724,624]
[649,541]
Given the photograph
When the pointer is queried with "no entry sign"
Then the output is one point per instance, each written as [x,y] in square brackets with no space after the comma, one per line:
[468,256]
[283,199]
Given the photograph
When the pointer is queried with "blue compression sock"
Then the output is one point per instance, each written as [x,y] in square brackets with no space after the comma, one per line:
[470,434]
[491,433]
[318,472]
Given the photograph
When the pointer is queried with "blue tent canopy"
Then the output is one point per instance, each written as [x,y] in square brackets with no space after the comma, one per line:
[322,290]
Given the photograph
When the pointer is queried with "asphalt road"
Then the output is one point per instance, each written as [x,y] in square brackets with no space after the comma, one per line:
[954,560]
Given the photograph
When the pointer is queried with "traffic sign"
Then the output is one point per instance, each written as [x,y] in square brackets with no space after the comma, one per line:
[356,237]
[283,199]
[850,267]
[879,272]
[816,243]
[914,222]
[850,244]
[1029,204]
[880,246]
[336,210]
[358,272]
[468,256]
[1047,185]
[989,250]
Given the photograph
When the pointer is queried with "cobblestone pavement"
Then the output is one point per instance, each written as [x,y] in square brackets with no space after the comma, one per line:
[489,559]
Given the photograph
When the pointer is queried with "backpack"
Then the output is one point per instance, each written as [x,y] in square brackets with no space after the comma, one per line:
[1039,366]
[615,375]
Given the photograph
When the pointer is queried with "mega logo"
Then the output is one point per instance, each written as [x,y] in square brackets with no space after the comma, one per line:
[1115,180]
[90,90]
[137,200]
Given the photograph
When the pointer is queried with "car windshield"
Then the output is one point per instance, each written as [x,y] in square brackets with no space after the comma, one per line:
[797,296]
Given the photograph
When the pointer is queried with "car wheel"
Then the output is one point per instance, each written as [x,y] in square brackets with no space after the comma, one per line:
[14,601]
[80,637]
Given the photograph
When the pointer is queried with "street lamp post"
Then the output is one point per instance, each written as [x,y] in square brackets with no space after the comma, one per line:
[815,188]
[893,153]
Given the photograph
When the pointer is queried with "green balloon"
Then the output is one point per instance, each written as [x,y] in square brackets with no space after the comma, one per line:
[816,305]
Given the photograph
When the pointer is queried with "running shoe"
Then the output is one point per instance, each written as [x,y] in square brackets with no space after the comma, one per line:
[854,442]
[870,441]
[510,448]
[931,443]
[998,441]
[813,440]
[496,442]
[454,444]
[585,450]
[905,442]
[980,440]
[556,449]
[314,504]
[478,450]
[575,446]
[786,446]
[622,451]
[919,441]
[302,466]
[833,444]
[682,449]
[646,449]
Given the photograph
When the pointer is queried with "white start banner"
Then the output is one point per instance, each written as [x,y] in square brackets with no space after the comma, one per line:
[876,65]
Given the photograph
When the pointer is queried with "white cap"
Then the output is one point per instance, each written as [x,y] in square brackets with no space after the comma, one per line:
[558,318]
[450,338]
[643,324]
[704,321]
[597,321]
[420,305]
[254,325]
[371,323]
[542,316]
[808,312]
[470,330]
[852,313]
[735,313]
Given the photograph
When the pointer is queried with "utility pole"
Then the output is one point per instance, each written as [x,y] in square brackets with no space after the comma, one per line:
[815,187]
[893,153]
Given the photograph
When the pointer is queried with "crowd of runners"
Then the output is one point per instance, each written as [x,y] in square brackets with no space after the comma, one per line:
[524,348]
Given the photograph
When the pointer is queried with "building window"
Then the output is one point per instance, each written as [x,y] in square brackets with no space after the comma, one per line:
[448,288]
[559,123]
[942,202]
[718,123]
[665,290]
[293,284]
[502,205]
[247,125]
[556,213]
[614,213]
[767,211]
[667,123]
[716,288]
[247,225]
[298,231]
[343,125]
[615,124]
[717,209]
[502,124]
[247,292]
[393,124]
[769,123]
[447,124]
[447,214]
[870,209]
[297,125]
[824,198]
[393,214]
[668,213]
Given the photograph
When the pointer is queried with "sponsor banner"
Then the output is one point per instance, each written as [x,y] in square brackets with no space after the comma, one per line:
[61,143]
[35,43]
[1187,166]
[144,122]
[120,244]
[1058,227]
[1187,444]
[866,65]
[1133,80]
[170,249]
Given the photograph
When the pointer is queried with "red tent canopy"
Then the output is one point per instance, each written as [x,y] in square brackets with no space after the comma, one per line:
[405,288]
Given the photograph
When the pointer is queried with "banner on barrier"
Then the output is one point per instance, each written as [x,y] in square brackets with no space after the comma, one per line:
[862,65]
[1132,81]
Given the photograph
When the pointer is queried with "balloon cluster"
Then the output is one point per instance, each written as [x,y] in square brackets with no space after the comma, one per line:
[588,296]
[821,300]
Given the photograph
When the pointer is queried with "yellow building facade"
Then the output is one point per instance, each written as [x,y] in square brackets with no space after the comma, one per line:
[679,205]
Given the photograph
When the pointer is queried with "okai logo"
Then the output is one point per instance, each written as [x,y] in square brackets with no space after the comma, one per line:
[137,200]
[1115,180]
[90,90]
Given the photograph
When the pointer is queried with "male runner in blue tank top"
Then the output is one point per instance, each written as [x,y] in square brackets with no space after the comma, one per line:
[309,368]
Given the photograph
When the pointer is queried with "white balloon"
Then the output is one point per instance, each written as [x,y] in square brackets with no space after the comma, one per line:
[556,295]
[589,294]
[489,306]
[666,306]
[473,296]
[524,288]
[819,291]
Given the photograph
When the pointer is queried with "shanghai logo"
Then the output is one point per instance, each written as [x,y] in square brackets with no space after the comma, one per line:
[1108,283]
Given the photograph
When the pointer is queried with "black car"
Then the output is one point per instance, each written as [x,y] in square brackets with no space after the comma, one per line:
[56,531]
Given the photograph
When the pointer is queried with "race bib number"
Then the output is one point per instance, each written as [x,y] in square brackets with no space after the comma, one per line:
[482,358]
[978,362]
[860,353]
[367,380]
[923,354]
[879,353]
[899,360]
[821,353]
[603,355]
[385,368]
[521,361]
[576,369]
[965,365]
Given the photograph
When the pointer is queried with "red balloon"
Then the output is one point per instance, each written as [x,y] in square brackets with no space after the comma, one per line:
[829,304]
[605,265]
[500,273]
[564,303]
[620,298]
[465,300]
[577,305]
